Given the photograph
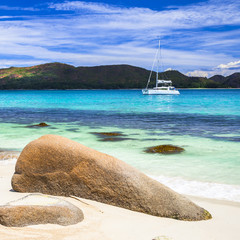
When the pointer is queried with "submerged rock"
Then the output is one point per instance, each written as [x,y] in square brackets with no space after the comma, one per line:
[164,149]
[108,134]
[42,124]
[59,166]
[115,139]
[39,209]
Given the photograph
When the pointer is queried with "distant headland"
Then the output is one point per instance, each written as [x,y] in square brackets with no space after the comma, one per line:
[64,76]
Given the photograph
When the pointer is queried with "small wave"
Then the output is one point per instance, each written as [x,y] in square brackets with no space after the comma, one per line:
[201,189]
[8,162]
[8,157]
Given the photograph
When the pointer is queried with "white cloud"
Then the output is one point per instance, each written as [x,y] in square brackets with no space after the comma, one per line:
[2,7]
[5,17]
[5,63]
[97,34]
[222,69]
[231,65]
[197,73]
[204,14]
[87,6]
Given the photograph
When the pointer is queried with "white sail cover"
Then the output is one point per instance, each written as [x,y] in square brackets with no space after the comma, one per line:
[165,81]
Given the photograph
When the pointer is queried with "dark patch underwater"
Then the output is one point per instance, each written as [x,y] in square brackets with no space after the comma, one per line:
[170,123]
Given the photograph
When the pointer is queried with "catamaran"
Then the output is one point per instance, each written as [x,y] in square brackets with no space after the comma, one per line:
[163,87]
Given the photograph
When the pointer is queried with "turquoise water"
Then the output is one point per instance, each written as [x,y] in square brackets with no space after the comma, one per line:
[206,123]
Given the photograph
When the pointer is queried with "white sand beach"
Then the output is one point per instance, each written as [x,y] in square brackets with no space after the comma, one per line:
[107,222]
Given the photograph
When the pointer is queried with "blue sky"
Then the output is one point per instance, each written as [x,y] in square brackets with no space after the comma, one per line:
[197,37]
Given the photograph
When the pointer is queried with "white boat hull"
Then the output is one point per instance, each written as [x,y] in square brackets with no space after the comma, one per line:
[159,92]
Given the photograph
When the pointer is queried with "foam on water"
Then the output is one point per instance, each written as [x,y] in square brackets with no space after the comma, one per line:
[201,189]
[8,157]
[8,162]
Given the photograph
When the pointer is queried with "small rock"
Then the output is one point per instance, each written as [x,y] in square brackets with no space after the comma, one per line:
[164,149]
[162,238]
[39,209]
[42,124]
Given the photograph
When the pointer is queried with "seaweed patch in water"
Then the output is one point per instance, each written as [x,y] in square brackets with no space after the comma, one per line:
[108,134]
[164,149]
[115,139]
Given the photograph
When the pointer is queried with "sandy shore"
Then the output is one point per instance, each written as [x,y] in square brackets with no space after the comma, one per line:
[107,222]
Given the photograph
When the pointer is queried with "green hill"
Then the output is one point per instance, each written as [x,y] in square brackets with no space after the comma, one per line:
[63,76]
[218,78]
[233,81]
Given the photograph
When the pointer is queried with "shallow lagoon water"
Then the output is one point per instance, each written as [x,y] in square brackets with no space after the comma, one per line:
[206,123]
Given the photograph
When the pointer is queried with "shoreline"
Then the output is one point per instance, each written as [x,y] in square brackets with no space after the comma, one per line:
[102,221]
[10,164]
[6,171]
[173,183]
[101,89]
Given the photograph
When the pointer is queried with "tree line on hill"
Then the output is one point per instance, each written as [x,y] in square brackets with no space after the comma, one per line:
[63,76]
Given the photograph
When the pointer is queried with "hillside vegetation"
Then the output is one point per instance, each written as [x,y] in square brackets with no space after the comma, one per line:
[63,76]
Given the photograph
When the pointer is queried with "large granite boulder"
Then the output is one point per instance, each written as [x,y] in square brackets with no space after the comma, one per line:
[39,209]
[59,166]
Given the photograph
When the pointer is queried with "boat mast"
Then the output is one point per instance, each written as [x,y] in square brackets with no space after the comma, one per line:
[158,56]
[150,75]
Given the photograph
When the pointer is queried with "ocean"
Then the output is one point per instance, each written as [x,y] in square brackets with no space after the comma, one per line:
[206,123]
